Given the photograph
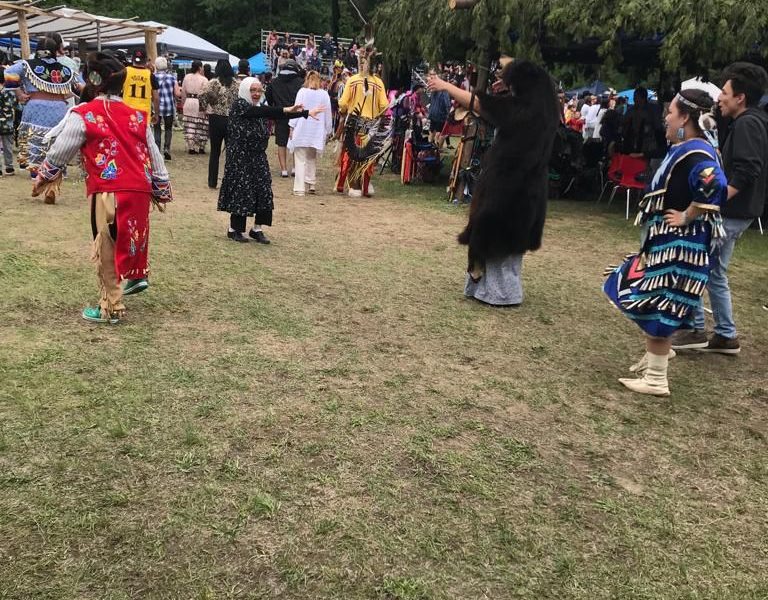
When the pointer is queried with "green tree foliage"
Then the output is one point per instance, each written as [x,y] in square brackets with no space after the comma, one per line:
[407,29]
[234,25]
[697,35]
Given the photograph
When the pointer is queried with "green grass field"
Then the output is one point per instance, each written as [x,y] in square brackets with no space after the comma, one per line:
[328,417]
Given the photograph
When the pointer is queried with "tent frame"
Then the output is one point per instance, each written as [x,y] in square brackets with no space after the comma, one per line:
[20,12]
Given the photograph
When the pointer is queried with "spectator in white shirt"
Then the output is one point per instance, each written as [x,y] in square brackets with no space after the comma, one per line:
[590,113]
[602,107]
[308,139]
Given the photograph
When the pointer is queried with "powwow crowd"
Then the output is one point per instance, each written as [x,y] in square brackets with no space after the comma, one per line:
[705,193]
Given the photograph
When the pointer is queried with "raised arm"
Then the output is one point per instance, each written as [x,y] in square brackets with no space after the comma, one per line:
[273,112]
[462,97]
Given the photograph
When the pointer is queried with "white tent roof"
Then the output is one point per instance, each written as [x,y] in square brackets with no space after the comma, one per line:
[183,43]
[70,23]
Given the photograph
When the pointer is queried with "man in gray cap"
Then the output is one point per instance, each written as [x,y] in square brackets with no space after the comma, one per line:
[281,93]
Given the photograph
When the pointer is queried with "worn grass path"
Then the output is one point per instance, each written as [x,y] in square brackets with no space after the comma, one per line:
[327,417]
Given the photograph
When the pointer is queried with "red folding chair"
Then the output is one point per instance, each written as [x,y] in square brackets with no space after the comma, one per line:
[614,175]
[632,171]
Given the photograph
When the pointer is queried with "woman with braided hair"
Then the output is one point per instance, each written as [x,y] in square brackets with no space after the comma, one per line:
[660,287]
[124,174]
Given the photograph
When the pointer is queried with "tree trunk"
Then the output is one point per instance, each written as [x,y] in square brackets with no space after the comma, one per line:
[335,16]
[487,46]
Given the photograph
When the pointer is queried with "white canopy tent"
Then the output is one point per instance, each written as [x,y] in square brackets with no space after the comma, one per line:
[183,44]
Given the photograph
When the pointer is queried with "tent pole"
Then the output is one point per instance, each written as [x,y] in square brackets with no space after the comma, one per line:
[98,36]
[150,41]
[26,50]
[82,51]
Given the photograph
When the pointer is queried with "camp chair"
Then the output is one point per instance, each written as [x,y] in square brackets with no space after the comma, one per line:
[427,162]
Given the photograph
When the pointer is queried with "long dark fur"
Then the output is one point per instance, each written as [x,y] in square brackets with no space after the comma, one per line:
[509,203]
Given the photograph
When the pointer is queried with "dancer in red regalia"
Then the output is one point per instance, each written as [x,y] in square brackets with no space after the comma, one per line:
[124,174]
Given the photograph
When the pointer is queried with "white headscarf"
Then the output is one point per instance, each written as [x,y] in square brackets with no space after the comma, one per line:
[245,89]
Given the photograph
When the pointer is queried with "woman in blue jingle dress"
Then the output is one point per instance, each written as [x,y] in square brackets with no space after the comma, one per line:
[660,287]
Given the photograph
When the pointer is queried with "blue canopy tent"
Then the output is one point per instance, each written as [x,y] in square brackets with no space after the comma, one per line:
[11,42]
[12,45]
[629,95]
[259,64]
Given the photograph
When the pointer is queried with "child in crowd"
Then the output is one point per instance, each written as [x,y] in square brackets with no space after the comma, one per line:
[8,108]
[576,122]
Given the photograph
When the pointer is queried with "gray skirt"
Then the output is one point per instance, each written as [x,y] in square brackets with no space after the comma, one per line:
[501,285]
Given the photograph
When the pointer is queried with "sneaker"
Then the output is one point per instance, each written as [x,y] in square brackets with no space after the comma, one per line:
[10,171]
[283,173]
[689,339]
[312,190]
[259,237]
[722,345]
[93,314]
[355,193]
[371,191]
[201,151]
[298,193]
[192,151]
[236,236]
[765,306]
[135,286]
[167,155]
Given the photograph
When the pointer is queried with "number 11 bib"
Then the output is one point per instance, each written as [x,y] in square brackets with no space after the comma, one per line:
[137,89]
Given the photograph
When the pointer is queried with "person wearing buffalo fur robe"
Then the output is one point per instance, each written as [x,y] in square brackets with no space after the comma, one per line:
[509,203]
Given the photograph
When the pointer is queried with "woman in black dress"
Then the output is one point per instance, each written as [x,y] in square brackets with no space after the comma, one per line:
[246,190]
